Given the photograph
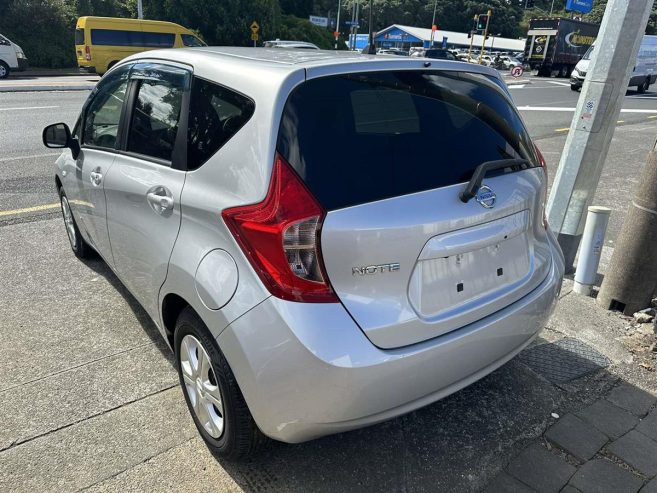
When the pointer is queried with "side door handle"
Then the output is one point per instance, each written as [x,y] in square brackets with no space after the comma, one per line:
[96,177]
[160,199]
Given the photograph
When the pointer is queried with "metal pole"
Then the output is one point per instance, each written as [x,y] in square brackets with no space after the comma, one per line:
[433,22]
[483,43]
[631,280]
[589,255]
[552,8]
[370,39]
[594,122]
[472,32]
[337,25]
[140,10]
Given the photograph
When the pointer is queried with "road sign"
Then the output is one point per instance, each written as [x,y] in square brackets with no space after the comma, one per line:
[434,27]
[318,21]
[351,23]
[254,36]
[517,71]
[583,6]
[255,27]
[336,34]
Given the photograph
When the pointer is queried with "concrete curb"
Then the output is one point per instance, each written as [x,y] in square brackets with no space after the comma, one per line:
[86,87]
[516,82]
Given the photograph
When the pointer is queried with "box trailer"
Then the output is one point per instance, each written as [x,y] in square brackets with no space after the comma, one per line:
[555,45]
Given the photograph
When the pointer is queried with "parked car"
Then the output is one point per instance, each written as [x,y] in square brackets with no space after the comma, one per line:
[305,289]
[435,53]
[643,75]
[101,42]
[510,62]
[12,58]
[291,45]
[392,51]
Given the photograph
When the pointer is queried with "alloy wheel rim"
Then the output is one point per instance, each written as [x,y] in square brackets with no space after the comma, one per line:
[202,386]
[68,222]
[3,71]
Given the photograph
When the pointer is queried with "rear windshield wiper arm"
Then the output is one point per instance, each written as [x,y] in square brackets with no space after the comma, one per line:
[474,184]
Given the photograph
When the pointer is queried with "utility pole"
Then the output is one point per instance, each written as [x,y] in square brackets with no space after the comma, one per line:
[337,26]
[140,10]
[472,35]
[371,50]
[594,122]
[631,279]
[433,22]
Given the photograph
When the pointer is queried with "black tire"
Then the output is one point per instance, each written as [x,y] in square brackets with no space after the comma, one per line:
[241,437]
[4,70]
[644,87]
[574,87]
[80,248]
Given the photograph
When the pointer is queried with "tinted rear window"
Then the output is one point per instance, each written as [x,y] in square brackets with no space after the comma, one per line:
[79,36]
[358,138]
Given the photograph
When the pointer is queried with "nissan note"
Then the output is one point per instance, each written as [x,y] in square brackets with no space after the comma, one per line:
[325,240]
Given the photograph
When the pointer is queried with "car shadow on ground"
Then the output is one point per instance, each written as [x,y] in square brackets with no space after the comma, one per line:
[457,444]
[99,266]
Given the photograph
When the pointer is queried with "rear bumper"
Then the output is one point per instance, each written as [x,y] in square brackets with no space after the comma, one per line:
[307,370]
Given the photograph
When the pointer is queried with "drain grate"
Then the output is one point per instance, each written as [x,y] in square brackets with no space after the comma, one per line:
[564,360]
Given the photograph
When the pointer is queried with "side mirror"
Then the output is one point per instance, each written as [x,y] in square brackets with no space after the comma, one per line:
[58,136]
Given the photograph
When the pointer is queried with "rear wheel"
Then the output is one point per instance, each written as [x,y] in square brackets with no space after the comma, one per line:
[574,87]
[4,70]
[644,87]
[211,392]
[80,248]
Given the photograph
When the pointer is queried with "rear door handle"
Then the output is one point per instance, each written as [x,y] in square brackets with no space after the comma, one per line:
[160,199]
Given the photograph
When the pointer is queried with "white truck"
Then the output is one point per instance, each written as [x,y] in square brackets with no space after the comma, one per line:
[12,57]
[645,67]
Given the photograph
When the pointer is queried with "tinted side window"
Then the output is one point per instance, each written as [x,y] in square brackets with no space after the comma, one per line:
[189,40]
[158,40]
[113,37]
[156,115]
[358,138]
[215,115]
[101,122]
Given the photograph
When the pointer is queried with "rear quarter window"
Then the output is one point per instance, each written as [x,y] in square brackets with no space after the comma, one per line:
[363,137]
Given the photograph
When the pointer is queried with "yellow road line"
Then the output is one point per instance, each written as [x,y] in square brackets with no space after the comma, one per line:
[562,129]
[652,116]
[36,208]
[620,121]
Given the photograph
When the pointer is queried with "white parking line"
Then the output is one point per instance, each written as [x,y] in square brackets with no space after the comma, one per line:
[29,108]
[517,86]
[561,108]
[33,156]
[566,84]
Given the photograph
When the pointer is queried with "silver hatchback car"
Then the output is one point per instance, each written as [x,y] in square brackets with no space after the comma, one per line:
[326,241]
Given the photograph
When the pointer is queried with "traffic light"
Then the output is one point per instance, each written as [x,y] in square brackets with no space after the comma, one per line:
[482,21]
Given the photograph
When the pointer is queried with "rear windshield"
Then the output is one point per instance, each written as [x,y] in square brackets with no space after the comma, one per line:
[358,138]
[79,36]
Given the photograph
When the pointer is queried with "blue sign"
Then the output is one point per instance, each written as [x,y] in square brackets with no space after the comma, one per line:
[444,42]
[396,35]
[583,6]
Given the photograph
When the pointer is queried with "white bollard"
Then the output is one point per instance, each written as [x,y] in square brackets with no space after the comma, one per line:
[593,240]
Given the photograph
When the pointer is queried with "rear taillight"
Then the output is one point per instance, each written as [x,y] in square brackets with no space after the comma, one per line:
[280,237]
[543,164]
[87,53]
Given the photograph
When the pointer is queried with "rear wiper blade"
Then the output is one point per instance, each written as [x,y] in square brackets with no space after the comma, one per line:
[474,184]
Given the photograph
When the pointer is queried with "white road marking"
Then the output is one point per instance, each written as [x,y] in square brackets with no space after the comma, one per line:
[566,84]
[517,86]
[29,108]
[561,108]
[33,156]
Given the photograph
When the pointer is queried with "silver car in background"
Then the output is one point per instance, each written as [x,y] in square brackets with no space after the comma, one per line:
[325,240]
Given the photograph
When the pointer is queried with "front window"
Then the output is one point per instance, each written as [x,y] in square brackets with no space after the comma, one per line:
[589,52]
[4,41]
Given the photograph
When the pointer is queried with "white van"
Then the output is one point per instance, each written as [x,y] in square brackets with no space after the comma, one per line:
[12,57]
[645,69]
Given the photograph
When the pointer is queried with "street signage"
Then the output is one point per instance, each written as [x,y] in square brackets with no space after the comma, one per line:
[583,6]
[255,27]
[318,21]
[254,36]
[352,23]
[517,71]
[444,45]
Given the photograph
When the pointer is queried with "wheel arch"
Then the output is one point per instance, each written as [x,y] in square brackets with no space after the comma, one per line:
[172,306]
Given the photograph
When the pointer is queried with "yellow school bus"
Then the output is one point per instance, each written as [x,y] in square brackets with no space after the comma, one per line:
[100,42]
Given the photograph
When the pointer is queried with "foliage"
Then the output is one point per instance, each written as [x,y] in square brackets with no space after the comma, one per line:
[45,28]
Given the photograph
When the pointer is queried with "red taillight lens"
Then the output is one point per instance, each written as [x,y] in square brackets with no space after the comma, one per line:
[87,53]
[280,237]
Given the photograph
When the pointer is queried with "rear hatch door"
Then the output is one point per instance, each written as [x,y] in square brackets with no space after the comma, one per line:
[387,153]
